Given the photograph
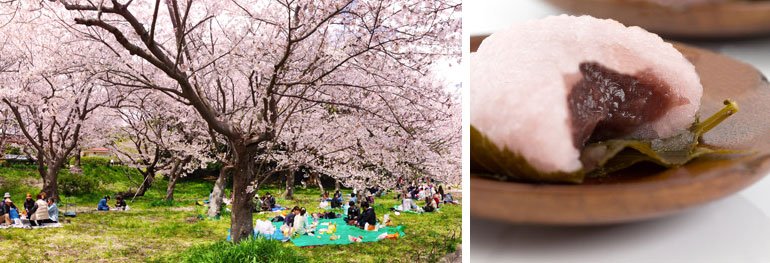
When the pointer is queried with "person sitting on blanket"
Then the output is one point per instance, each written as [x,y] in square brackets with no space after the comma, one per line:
[5,215]
[367,216]
[353,214]
[369,198]
[289,220]
[120,204]
[268,202]
[9,208]
[430,205]
[437,200]
[353,198]
[337,199]
[28,204]
[288,223]
[39,212]
[53,210]
[407,204]
[324,201]
[301,225]
[102,206]
[448,199]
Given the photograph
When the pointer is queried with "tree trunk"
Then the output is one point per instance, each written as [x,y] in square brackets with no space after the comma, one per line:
[75,169]
[336,185]
[318,181]
[289,194]
[215,200]
[176,172]
[50,184]
[170,188]
[149,177]
[241,223]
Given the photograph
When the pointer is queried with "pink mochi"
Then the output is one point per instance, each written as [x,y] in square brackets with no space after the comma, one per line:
[521,78]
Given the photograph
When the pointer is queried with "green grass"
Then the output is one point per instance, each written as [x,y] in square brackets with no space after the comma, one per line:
[157,231]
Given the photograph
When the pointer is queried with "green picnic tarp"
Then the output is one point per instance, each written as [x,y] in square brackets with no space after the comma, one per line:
[343,231]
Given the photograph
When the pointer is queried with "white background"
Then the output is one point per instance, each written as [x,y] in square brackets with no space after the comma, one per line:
[734,229]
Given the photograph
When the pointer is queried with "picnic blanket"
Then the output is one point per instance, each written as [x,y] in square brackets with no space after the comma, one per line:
[29,226]
[343,231]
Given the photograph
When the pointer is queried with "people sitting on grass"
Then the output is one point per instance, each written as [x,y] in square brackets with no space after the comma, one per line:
[53,210]
[300,225]
[430,205]
[353,214]
[10,210]
[407,204]
[289,220]
[353,198]
[28,204]
[268,202]
[337,199]
[324,201]
[120,204]
[369,198]
[437,200]
[5,216]
[368,217]
[103,206]
[39,212]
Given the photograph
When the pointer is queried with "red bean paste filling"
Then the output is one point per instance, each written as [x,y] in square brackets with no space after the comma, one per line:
[606,104]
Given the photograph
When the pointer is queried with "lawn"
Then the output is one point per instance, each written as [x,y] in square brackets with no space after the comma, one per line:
[156,231]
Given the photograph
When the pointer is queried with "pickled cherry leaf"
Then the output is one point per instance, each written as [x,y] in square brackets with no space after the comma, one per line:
[602,158]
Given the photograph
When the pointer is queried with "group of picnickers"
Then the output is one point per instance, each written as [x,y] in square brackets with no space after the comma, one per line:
[40,211]
[299,222]
[433,196]
[120,204]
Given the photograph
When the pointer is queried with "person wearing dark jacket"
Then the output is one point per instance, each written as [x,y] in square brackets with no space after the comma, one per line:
[11,212]
[289,221]
[367,216]
[353,214]
[337,199]
[120,204]
[5,215]
[28,204]
[270,200]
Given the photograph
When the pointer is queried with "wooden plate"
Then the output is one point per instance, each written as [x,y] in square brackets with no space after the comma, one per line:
[713,20]
[643,192]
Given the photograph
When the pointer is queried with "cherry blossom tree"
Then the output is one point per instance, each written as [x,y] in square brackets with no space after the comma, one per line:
[146,134]
[48,94]
[250,68]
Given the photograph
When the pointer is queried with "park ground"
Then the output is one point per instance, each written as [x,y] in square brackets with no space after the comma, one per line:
[157,231]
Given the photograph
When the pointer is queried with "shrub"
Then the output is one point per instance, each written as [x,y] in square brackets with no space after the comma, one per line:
[94,161]
[76,184]
[12,150]
[251,250]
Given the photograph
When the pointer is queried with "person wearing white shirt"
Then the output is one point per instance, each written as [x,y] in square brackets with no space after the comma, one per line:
[300,222]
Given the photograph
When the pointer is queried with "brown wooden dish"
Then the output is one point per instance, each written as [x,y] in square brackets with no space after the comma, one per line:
[643,192]
[726,19]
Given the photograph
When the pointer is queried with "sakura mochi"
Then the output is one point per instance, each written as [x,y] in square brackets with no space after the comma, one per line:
[544,90]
